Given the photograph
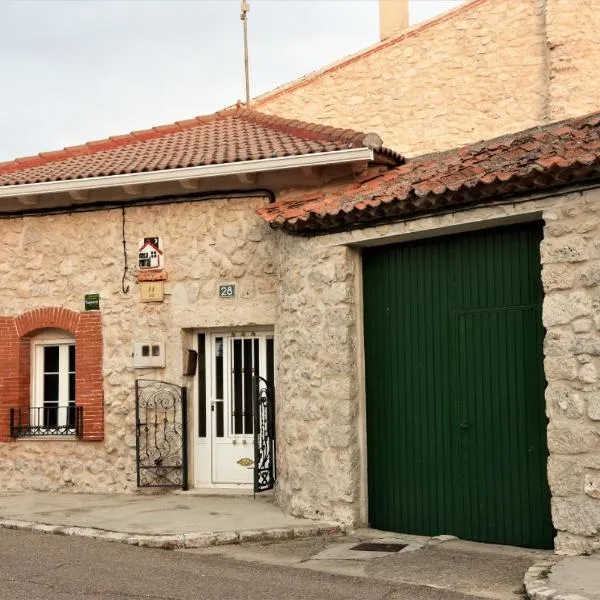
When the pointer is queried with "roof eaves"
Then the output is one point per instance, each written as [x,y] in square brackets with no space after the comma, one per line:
[313,159]
[365,214]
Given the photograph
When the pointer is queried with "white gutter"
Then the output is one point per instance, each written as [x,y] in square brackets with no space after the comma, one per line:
[247,166]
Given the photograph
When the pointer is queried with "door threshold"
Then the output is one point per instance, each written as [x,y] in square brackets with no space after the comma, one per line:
[216,491]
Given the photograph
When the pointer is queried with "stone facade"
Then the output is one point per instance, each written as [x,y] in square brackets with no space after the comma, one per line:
[309,289]
[320,410]
[319,469]
[53,261]
[487,68]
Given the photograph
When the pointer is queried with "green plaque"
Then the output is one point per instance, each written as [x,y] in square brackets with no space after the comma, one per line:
[92,302]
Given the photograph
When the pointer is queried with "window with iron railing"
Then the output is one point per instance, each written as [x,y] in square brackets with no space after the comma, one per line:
[52,411]
[39,421]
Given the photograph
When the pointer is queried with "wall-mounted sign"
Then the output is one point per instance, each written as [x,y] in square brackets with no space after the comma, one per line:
[227,290]
[151,276]
[91,301]
[150,254]
[152,291]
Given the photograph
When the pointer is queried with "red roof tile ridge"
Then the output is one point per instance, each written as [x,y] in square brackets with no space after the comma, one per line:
[305,129]
[111,142]
[378,46]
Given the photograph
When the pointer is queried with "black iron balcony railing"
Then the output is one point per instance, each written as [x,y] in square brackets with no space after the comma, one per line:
[46,421]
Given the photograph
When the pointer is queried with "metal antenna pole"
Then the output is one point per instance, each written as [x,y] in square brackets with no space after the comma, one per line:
[244,18]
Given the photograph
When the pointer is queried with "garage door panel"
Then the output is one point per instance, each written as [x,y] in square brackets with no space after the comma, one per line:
[498,430]
[455,409]
[409,402]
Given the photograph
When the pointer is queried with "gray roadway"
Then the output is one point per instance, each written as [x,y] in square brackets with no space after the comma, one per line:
[36,566]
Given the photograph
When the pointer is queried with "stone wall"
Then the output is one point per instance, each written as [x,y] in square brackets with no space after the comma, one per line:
[322,454]
[473,75]
[487,68]
[574,48]
[570,256]
[319,469]
[308,288]
[56,260]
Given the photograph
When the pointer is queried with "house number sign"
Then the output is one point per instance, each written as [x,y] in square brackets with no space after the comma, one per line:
[152,291]
[227,290]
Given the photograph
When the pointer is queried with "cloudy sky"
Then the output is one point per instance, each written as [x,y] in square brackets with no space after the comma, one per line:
[77,70]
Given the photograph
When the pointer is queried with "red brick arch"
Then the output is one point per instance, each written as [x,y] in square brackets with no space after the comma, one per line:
[15,363]
[47,318]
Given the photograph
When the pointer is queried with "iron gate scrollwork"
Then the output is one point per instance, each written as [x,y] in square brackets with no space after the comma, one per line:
[161,434]
[264,435]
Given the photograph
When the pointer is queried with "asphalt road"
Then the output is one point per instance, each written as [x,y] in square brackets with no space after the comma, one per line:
[35,566]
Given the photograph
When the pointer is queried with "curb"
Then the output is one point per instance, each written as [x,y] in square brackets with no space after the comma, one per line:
[536,583]
[202,539]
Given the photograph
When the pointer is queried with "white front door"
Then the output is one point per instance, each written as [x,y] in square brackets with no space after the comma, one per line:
[228,362]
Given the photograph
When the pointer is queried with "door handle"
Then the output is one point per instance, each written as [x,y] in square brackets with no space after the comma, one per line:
[464,425]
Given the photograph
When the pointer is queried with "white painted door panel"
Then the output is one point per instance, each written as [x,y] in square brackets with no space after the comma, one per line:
[225,453]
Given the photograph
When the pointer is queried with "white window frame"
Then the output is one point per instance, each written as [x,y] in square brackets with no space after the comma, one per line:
[64,341]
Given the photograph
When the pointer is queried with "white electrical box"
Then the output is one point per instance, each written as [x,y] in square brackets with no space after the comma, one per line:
[148,354]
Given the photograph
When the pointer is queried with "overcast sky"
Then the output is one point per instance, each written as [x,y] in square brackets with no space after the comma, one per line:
[77,70]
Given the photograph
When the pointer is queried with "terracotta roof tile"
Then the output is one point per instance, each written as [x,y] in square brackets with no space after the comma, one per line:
[228,136]
[538,158]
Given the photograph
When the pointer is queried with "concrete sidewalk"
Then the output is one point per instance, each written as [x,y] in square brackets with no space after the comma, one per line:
[423,567]
[442,563]
[177,520]
[564,578]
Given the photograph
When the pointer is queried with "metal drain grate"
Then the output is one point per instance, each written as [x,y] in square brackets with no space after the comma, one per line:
[379,547]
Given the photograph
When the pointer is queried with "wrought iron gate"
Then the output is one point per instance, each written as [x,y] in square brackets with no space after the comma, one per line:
[161,434]
[264,435]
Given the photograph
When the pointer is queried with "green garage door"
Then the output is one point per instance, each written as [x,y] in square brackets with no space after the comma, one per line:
[456,425]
